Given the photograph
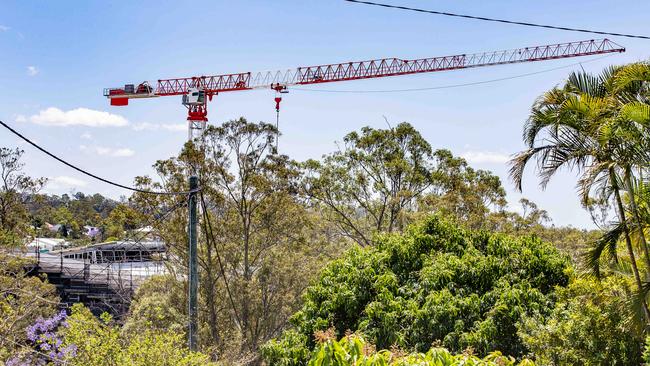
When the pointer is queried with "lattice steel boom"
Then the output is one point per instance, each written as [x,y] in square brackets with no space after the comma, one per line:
[366,69]
[281,80]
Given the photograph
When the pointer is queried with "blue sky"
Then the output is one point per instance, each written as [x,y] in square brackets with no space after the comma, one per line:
[57,57]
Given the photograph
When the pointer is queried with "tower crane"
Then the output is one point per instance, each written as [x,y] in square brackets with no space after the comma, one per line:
[197,91]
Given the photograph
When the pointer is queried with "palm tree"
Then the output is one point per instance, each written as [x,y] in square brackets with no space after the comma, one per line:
[579,127]
[631,88]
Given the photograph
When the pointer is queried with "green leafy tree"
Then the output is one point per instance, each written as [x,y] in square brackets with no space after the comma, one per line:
[15,190]
[385,178]
[470,196]
[367,186]
[580,126]
[436,282]
[155,307]
[257,252]
[121,220]
[72,212]
[98,342]
[588,326]
[23,299]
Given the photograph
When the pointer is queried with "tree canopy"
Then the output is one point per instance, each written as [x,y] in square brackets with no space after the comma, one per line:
[436,282]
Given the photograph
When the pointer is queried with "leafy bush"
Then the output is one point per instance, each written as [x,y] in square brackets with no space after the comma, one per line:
[354,351]
[435,283]
[98,342]
[23,300]
[590,325]
[289,350]
[646,350]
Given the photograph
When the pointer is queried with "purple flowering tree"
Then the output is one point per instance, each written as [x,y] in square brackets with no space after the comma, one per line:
[47,344]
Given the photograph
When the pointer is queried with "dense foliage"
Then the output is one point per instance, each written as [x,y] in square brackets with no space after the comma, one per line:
[435,283]
[367,186]
[23,299]
[589,325]
[115,220]
[598,125]
[82,339]
[258,248]
[16,190]
[353,350]
[382,178]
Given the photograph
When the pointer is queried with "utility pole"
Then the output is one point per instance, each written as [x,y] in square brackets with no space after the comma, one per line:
[197,120]
[193,270]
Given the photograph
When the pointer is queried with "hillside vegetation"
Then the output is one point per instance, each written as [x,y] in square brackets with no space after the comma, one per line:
[385,251]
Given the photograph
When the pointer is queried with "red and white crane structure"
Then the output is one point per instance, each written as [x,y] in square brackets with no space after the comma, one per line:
[198,90]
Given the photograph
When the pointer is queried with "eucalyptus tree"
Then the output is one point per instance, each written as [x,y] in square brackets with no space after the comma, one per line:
[256,252]
[468,195]
[367,186]
[383,179]
[16,189]
[23,298]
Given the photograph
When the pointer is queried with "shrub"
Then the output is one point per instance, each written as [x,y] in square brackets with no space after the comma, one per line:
[590,325]
[354,351]
[98,342]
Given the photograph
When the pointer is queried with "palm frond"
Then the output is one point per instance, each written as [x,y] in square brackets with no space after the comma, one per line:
[630,74]
[519,162]
[637,112]
[595,179]
[583,82]
[636,303]
[607,245]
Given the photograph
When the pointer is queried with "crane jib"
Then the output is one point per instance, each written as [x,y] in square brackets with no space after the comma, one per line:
[279,80]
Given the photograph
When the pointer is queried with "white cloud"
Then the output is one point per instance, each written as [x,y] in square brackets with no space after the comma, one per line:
[20,118]
[4,28]
[32,70]
[78,117]
[86,136]
[64,181]
[107,151]
[175,127]
[146,126]
[482,157]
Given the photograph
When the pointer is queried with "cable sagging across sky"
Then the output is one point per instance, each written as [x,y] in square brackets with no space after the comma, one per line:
[496,20]
[82,171]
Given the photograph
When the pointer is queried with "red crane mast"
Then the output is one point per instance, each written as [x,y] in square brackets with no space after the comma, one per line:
[196,89]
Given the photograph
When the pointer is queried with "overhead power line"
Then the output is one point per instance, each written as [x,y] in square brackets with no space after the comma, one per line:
[82,171]
[496,20]
[448,86]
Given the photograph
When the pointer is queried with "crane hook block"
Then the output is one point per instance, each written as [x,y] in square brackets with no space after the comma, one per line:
[277,103]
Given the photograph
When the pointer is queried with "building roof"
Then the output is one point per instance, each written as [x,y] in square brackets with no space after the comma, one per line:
[119,245]
[46,243]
